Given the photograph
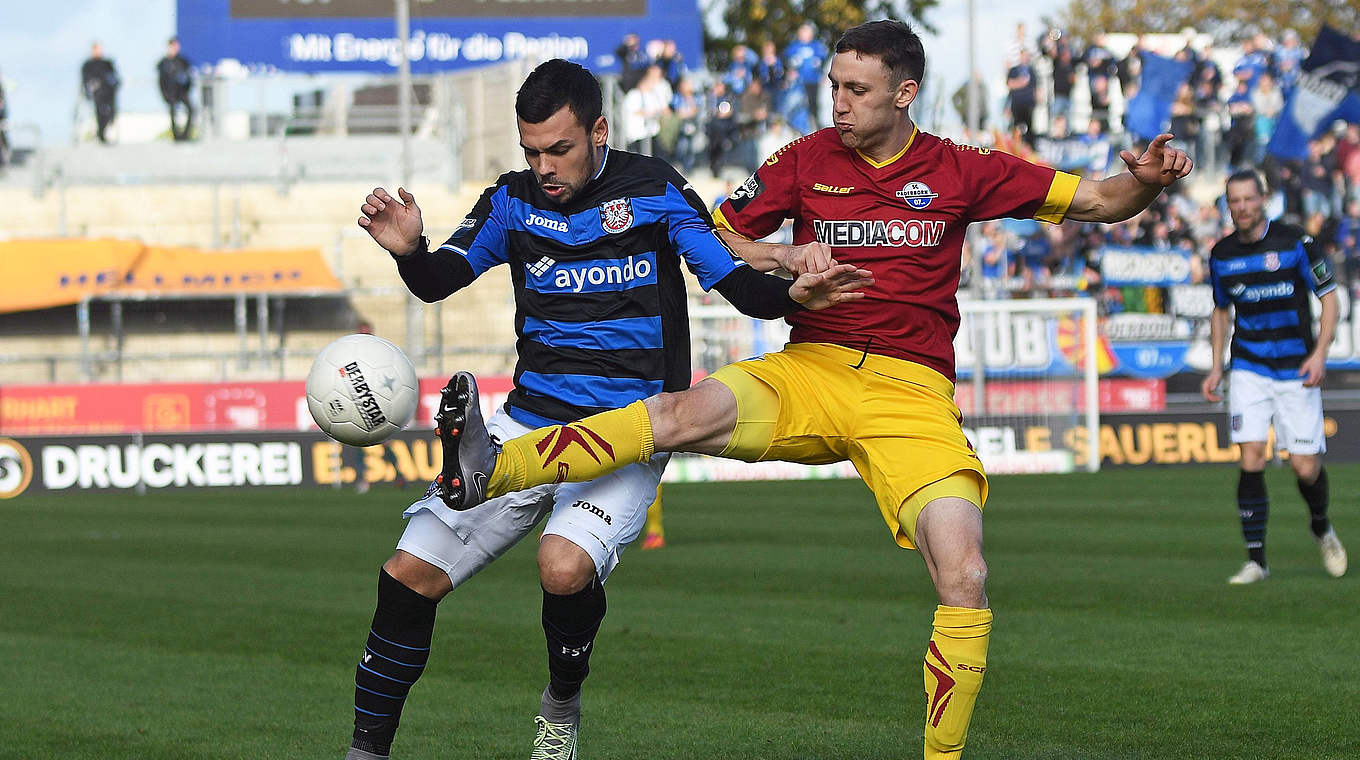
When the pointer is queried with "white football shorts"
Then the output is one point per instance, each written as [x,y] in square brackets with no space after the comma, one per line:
[1255,400]
[601,516]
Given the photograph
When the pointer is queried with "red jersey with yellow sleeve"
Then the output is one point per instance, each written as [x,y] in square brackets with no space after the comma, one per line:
[903,219]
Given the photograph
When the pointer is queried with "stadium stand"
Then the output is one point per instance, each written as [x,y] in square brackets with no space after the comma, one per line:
[298,188]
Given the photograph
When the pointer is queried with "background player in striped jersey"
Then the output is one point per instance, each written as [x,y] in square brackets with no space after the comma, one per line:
[594,239]
[871,381]
[1264,271]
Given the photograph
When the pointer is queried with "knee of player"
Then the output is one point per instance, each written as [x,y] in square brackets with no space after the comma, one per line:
[683,418]
[975,570]
[563,577]
[418,575]
[1253,456]
[1306,468]
[669,424]
[971,574]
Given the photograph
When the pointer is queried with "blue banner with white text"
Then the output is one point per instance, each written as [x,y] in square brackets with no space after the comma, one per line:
[353,36]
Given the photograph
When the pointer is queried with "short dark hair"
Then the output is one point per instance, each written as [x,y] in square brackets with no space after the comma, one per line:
[893,42]
[1247,175]
[556,83]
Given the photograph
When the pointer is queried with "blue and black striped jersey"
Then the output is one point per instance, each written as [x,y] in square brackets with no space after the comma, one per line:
[1267,282]
[601,317]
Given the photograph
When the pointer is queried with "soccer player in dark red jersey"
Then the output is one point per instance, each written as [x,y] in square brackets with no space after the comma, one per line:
[872,380]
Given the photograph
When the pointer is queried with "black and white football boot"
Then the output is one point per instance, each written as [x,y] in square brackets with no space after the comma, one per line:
[469,453]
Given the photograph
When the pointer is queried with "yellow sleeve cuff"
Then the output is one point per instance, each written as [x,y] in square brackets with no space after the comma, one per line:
[1059,199]
[721,222]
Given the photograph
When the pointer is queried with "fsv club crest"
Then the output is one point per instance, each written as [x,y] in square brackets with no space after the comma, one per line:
[616,215]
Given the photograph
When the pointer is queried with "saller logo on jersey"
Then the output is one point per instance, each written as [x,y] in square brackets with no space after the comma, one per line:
[893,233]
[616,215]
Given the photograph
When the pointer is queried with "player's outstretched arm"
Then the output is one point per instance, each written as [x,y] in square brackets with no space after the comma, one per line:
[767,257]
[767,296]
[1117,198]
[394,225]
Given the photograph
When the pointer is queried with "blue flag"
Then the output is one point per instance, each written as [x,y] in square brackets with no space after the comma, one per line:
[1149,110]
[1328,89]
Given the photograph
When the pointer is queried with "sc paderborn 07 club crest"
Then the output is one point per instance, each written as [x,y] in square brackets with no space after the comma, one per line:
[918,195]
[616,215]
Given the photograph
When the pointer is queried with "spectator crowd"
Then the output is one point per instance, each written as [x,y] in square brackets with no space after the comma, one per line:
[1062,106]
[732,118]
[1224,120]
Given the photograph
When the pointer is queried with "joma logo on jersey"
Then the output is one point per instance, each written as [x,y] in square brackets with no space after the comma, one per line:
[557,225]
[895,233]
[1256,293]
[576,279]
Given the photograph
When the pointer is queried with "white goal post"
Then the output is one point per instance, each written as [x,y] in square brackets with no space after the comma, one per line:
[1029,383]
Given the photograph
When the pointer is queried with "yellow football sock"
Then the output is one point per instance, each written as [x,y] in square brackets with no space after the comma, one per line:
[575,452]
[655,527]
[955,663]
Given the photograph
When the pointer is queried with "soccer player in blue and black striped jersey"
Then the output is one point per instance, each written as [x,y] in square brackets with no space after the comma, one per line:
[1265,271]
[594,239]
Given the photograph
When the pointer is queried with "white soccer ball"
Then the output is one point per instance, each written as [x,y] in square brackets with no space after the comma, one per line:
[362,389]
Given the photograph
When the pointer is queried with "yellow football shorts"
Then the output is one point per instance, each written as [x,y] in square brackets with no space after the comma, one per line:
[895,420]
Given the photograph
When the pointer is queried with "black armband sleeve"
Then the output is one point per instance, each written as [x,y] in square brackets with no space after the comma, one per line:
[433,275]
[763,296]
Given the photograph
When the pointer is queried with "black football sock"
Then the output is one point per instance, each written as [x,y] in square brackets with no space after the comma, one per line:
[570,623]
[1253,507]
[398,647]
[1316,496]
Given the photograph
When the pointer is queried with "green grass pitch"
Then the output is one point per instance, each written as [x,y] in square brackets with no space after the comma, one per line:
[781,622]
